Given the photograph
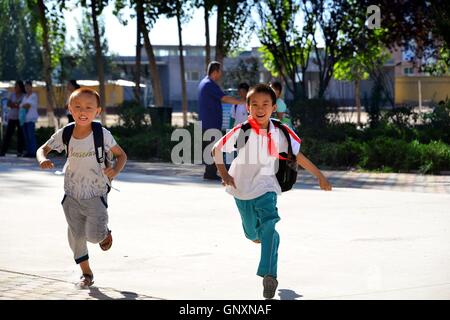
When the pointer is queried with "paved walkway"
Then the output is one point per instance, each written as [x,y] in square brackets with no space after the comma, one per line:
[176,236]
[408,182]
[24,286]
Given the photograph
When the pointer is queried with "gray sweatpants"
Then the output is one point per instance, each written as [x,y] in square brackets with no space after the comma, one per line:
[87,221]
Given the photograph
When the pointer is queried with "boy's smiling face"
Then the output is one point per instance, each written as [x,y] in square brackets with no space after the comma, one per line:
[84,108]
[261,107]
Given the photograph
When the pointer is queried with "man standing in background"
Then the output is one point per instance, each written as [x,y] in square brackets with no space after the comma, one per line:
[210,98]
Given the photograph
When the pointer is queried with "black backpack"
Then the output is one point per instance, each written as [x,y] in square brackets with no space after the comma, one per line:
[99,144]
[287,169]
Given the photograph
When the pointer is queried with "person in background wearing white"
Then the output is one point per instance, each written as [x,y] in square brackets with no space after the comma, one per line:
[239,113]
[30,104]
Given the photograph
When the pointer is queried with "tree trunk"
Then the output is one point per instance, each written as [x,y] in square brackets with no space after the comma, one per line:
[220,54]
[183,78]
[358,101]
[137,74]
[156,82]
[46,59]
[207,45]
[99,61]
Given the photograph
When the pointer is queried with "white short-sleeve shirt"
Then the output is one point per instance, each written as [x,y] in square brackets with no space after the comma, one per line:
[83,176]
[239,113]
[253,169]
[32,113]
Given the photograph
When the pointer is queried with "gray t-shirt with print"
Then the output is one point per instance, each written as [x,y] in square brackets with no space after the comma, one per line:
[83,175]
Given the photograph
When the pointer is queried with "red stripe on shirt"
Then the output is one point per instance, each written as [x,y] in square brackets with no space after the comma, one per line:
[292,134]
[228,135]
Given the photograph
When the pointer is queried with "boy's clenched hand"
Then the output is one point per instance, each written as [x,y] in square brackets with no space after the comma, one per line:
[324,184]
[110,172]
[228,180]
[46,164]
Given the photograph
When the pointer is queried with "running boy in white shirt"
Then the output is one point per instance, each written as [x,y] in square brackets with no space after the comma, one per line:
[252,178]
[86,178]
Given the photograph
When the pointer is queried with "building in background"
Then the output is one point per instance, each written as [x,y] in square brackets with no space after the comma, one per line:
[405,85]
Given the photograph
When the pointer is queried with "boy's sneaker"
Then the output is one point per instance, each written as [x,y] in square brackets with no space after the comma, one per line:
[270,286]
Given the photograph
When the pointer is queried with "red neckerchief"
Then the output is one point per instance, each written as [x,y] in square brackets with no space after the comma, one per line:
[263,132]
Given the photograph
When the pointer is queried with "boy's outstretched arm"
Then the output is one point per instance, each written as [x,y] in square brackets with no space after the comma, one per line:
[226,178]
[309,166]
[121,157]
[41,156]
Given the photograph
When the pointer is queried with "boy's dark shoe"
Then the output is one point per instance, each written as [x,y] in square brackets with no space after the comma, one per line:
[270,286]
[107,242]
[27,155]
[211,177]
[211,173]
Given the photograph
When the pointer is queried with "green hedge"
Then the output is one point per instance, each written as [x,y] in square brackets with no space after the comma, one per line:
[386,147]
[382,153]
[146,143]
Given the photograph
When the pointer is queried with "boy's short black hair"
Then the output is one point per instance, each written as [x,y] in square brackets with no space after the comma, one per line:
[85,90]
[276,85]
[213,66]
[243,85]
[29,82]
[262,88]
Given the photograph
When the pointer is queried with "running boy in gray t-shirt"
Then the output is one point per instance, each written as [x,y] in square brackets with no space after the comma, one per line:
[86,181]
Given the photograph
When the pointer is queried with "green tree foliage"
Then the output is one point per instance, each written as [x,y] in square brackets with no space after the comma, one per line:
[290,31]
[420,26]
[233,25]
[182,11]
[363,62]
[341,25]
[207,8]
[84,49]
[50,31]
[96,8]
[246,70]
[147,12]
[285,45]
[20,52]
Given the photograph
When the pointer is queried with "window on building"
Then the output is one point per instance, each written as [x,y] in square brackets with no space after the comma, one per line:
[162,53]
[408,71]
[196,52]
[192,75]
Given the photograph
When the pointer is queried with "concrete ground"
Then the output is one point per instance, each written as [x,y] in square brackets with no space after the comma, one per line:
[375,236]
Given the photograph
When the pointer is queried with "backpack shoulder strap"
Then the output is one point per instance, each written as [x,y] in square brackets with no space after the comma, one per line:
[99,145]
[243,136]
[277,123]
[66,135]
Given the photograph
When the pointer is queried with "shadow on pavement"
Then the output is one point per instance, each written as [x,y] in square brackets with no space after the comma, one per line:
[96,293]
[172,174]
[287,294]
